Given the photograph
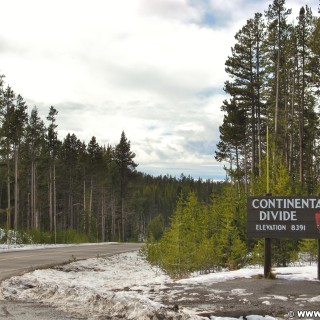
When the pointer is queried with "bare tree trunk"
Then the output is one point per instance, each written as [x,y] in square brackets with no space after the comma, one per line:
[8,194]
[291,129]
[246,170]
[259,112]
[122,219]
[276,115]
[50,200]
[84,206]
[71,212]
[103,239]
[28,210]
[16,189]
[113,217]
[90,205]
[31,196]
[301,122]
[103,221]
[54,193]
[36,211]
[70,204]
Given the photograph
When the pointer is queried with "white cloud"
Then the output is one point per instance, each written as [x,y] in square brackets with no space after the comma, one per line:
[170,9]
[154,69]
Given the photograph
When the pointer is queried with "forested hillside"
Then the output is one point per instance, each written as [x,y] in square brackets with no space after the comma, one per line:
[269,139]
[48,184]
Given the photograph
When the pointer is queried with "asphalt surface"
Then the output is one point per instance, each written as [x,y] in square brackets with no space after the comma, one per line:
[18,262]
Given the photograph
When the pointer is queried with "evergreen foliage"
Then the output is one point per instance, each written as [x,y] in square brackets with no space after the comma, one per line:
[202,237]
[273,87]
[273,82]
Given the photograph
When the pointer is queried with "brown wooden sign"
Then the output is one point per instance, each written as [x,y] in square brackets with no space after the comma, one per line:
[283,217]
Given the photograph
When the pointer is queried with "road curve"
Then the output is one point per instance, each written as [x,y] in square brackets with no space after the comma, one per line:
[18,262]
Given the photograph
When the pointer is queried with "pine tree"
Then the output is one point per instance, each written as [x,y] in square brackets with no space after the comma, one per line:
[232,135]
[35,140]
[71,150]
[19,119]
[315,59]
[229,215]
[276,41]
[245,69]
[126,165]
[179,244]
[95,157]
[8,130]
[52,141]
[303,30]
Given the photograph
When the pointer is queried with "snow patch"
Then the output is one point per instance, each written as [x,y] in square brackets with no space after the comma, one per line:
[251,317]
[97,287]
[315,299]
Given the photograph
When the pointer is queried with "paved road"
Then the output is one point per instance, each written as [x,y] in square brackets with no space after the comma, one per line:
[18,262]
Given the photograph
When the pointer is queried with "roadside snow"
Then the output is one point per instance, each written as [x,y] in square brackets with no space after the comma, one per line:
[288,273]
[115,286]
[16,247]
[125,286]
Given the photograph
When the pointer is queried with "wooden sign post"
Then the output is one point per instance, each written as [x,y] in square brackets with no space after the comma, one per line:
[267,258]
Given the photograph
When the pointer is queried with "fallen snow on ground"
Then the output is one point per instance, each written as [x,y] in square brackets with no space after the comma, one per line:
[288,273]
[116,286]
[124,286]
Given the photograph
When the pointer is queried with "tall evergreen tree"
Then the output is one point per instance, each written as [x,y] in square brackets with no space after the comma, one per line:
[35,140]
[8,131]
[126,165]
[19,120]
[245,69]
[233,137]
[71,150]
[95,157]
[52,141]
[278,29]
[304,29]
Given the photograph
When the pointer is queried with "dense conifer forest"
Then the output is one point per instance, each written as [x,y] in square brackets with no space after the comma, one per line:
[269,142]
[66,190]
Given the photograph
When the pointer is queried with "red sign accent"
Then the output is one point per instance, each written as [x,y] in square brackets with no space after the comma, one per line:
[317,217]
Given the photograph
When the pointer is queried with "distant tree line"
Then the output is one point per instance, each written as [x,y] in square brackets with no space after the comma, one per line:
[52,185]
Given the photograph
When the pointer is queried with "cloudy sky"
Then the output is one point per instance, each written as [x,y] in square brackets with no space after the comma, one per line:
[153,68]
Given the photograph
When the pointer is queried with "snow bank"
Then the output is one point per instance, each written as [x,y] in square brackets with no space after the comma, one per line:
[297,273]
[222,276]
[287,273]
[115,286]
